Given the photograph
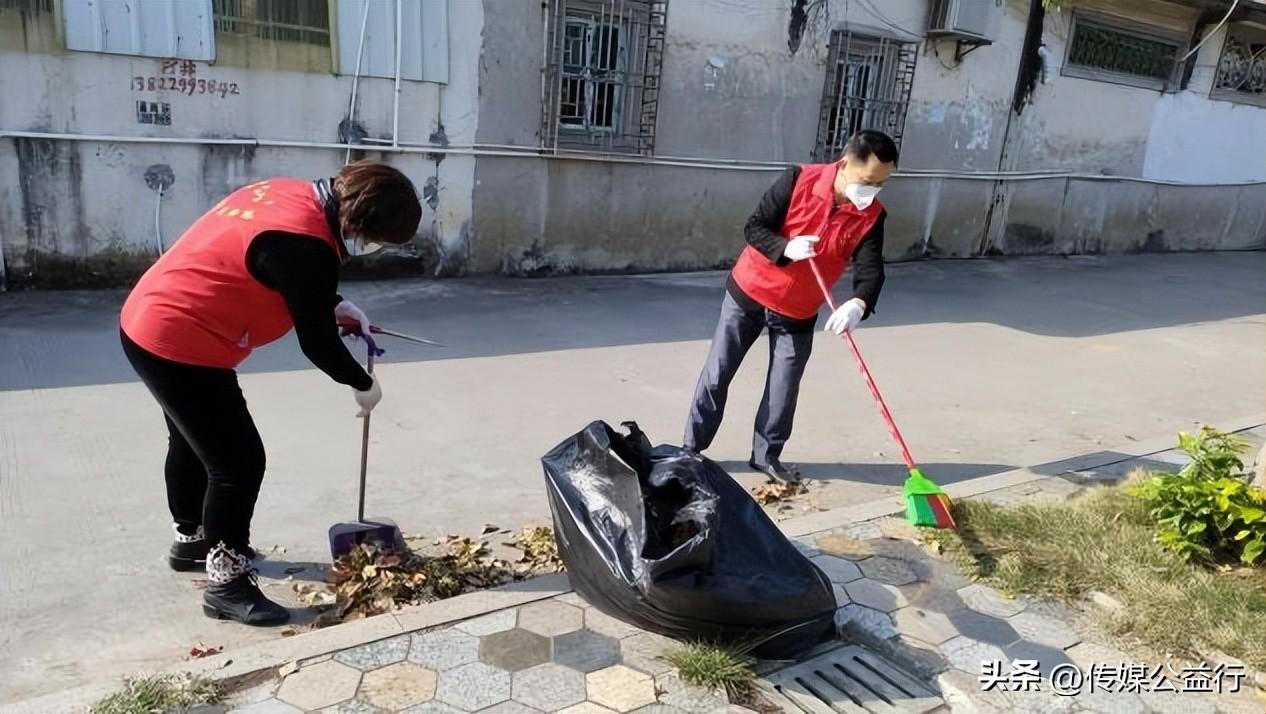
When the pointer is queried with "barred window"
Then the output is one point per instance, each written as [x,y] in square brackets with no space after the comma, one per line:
[1241,74]
[602,74]
[868,82]
[1112,50]
[305,21]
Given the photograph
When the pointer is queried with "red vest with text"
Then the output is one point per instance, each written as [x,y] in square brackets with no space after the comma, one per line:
[199,304]
[792,290]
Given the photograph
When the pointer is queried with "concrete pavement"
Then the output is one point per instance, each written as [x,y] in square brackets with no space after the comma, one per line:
[987,365]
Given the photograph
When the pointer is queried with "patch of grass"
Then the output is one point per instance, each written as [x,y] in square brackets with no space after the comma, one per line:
[714,667]
[158,694]
[1104,541]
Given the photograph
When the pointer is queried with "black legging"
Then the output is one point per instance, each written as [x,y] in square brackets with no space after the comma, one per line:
[215,458]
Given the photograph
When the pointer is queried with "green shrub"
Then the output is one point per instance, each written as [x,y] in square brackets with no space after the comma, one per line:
[1209,511]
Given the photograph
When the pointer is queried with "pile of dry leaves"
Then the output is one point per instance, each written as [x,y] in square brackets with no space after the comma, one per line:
[371,580]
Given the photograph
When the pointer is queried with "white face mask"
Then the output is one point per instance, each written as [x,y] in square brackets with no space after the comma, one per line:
[861,195]
[356,246]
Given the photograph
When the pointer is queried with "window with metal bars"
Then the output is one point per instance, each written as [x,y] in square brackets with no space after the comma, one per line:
[1241,74]
[601,89]
[304,21]
[1110,49]
[868,81]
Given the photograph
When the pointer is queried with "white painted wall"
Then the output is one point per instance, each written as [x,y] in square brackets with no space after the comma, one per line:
[1196,139]
[96,94]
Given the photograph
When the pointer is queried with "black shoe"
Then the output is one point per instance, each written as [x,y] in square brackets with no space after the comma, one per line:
[184,557]
[234,594]
[775,470]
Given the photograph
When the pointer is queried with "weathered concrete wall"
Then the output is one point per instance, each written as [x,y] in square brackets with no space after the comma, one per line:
[80,212]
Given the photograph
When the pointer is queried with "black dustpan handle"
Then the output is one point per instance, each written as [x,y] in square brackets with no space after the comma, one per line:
[364,446]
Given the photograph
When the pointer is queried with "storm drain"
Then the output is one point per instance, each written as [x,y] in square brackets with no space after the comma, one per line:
[852,680]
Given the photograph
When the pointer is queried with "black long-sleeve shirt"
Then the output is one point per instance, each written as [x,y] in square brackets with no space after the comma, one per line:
[305,272]
[763,232]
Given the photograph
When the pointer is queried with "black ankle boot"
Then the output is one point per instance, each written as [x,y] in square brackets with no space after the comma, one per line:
[189,552]
[234,594]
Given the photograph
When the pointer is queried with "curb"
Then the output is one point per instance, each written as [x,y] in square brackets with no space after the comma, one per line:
[257,659]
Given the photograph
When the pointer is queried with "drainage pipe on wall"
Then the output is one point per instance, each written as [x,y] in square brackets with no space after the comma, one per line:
[395,108]
[535,153]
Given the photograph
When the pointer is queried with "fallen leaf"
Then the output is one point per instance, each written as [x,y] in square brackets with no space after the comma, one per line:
[289,632]
[774,492]
[288,669]
[227,662]
[295,569]
[200,650]
[489,529]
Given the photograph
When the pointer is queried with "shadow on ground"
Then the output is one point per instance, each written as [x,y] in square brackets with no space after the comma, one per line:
[63,339]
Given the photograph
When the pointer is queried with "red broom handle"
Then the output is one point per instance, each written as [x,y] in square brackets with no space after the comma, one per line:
[870,381]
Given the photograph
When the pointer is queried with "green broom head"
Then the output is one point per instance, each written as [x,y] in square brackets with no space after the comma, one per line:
[926,504]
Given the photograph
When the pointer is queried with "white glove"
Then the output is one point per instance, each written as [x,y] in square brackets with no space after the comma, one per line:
[347,312]
[800,247]
[846,317]
[369,398]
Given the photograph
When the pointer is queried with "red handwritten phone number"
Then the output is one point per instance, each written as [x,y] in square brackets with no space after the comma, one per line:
[184,85]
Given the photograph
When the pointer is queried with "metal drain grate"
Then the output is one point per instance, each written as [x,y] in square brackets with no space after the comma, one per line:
[852,680]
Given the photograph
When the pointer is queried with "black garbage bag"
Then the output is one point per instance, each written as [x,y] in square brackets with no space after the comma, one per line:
[665,540]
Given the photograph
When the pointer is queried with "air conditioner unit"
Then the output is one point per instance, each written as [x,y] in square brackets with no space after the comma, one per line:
[970,20]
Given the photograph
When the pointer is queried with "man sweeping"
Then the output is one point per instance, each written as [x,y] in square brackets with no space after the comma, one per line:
[264,260]
[826,213]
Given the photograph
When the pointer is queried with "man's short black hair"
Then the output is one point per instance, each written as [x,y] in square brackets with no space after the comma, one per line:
[868,142]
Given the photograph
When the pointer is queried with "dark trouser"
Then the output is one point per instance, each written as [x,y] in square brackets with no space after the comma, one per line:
[790,343]
[215,458]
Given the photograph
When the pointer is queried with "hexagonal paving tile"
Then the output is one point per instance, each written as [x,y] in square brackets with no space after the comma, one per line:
[875,595]
[842,546]
[510,707]
[354,706]
[1044,630]
[398,686]
[657,708]
[319,685]
[499,621]
[968,655]
[897,528]
[837,569]
[989,601]
[805,549]
[586,708]
[473,686]
[549,687]
[874,623]
[687,698]
[551,618]
[1179,702]
[986,628]
[432,708]
[444,649]
[866,530]
[646,651]
[514,650]
[375,654]
[620,688]
[586,650]
[604,624]
[267,706]
[573,599]
[1047,658]
[926,625]
[1102,702]
[841,595]
[887,570]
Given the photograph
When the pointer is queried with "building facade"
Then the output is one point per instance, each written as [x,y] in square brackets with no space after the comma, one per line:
[632,135]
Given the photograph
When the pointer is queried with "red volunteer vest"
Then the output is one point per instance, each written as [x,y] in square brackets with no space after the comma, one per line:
[199,304]
[792,290]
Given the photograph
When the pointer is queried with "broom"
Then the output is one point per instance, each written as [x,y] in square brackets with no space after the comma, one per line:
[926,504]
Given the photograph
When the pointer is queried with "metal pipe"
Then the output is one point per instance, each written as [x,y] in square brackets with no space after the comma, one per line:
[360,54]
[594,158]
[395,109]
